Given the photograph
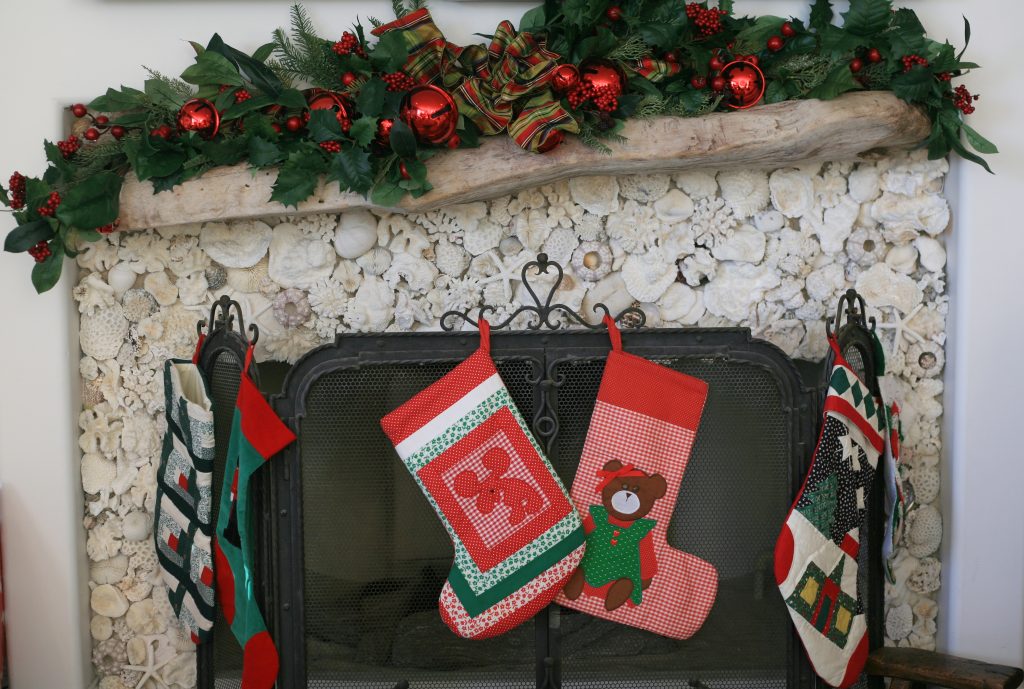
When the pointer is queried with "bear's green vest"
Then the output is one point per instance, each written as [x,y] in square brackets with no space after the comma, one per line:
[604,562]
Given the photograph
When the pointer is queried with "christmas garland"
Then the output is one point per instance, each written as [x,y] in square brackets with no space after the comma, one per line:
[366,111]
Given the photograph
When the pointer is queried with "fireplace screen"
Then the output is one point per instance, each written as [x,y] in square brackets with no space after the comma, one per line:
[357,557]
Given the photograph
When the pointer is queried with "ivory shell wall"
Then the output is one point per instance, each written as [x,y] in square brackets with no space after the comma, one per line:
[768,250]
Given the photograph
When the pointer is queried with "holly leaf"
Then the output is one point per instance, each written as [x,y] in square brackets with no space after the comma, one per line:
[977,141]
[263,153]
[370,100]
[291,98]
[533,19]
[725,6]
[226,151]
[583,13]
[236,110]
[46,274]
[839,81]
[150,160]
[915,85]
[753,38]
[387,194]
[363,130]
[212,68]
[907,34]
[403,142]
[867,17]
[390,53]
[115,100]
[323,125]
[598,45]
[162,95]
[24,237]
[298,177]
[836,41]
[92,203]
[56,159]
[821,14]
[351,167]
[258,73]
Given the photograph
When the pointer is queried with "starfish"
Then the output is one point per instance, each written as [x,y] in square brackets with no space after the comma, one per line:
[507,272]
[900,325]
[152,667]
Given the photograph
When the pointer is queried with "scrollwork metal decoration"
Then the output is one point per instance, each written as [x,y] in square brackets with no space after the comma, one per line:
[543,311]
[223,314]
[855,311]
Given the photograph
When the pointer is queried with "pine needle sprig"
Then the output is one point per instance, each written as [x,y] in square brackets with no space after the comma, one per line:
[631,48]
[304,55]
[178,86]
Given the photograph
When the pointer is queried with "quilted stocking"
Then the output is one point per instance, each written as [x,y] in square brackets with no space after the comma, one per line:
[517,536]
[639,441]
[816,554]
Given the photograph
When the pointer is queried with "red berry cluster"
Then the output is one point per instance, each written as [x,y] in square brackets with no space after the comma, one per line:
[398,81]
[68,146]
[910,60]
[17,189]
[51,205]
[40,252]
[708,20]
[241,95]
[604,97]
[107,229]
[963,99]
[164,131]
[348,44]
[944,76]
[331,146]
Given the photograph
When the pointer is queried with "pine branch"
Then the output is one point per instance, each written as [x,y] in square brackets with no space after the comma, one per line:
[374,22]
[304,55]
[177,85]
[632,48]
[651,106]
[99,156]
[588,136]
[399,8]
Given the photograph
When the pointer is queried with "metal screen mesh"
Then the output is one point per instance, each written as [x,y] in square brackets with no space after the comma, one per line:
[376,555]
[738,476]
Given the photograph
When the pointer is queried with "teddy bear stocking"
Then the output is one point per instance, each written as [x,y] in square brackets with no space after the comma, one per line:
[639,441]
[517,536]
[816,554]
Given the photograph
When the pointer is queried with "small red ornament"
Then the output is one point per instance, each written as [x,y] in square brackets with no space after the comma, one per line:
[454,141]
[276,127]
[555,138]
[672,56]
[564,78]
[775,44]
[787,30]
[431,114]
[746,84]
[348,78]
[716,64]
[198,115]
[293,123]
[752,59]
[856,65]
[321,99]
[603,74]
[91,134]
[79,110]
[384,131]
[102,120]
[117,131]
[613,13]
[403,171]
[718,84]
[699,82]
[874,55]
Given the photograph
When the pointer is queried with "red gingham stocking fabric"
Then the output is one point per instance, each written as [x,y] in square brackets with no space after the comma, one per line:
[517,536]
[641,433]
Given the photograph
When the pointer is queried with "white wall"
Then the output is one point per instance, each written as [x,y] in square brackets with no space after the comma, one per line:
[55,52]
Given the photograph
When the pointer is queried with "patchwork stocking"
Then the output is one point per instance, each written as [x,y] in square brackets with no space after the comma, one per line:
[639,441]
[257,434]
[816,554]
[895,498]
[517,536]
[183,527]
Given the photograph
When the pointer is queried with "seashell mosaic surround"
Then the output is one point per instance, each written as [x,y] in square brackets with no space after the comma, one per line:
[771,251]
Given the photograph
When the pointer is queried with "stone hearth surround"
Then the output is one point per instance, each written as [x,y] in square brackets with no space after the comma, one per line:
[768,250]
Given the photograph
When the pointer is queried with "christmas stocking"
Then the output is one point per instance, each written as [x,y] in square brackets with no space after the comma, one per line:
[517,536]
[637,447]
[816,554]
[895,498]
[257,434]
[183,527]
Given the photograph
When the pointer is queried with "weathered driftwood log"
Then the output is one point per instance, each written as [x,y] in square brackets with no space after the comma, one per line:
[848,128]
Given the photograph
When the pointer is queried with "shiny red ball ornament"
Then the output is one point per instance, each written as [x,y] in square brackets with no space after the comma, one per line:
[564,78]
[856,65]
[746,84]
[874,55]
[555,138]
[79,110]
[276,127]
[752,59]
[601,74]
[117,131]
[613,13]
[102,120]
[716,64]
[775,44]
[199,115]
[91,134]
[348,78]
[454,141]
[293,123]
[718,84]
[322,99]
[699,82]
[430,113]
[787,30]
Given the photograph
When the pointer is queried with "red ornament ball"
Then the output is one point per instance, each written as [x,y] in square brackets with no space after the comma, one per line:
[874,55]
[321,99]
[787,30]
[348,78]
[613,13]
[564,78]
[102,120]
[718,84]
[603,74]
[430,113]
[117,131]
[672,56]
[293,123]
[91,134]
[454,142]
[775,44]
[746,84]
[752,59]
[553,140]
[699,82]
[856,65]
[79,110]
[199,115]
[716,64]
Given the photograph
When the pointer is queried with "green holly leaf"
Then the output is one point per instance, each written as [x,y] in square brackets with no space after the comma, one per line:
[836,41]
[323,125]
[57,160]
[115,100]
[46,274]
[150,157]
[390,53]
[226,151]
[387,194]
[263,152]
[839,81]
[533,19]
[370,100]
[598,45]
[821,14]
[583,13]
[915,85]
[212,68]
[867,17]
[24,237]
[363,130]
[291,98]
[92,203]
[36,193]
[907,34]
[298,177]
[977,141]
[162,95]
[753,38]
[725,6]
[351,167]
[236,110]
[403,142]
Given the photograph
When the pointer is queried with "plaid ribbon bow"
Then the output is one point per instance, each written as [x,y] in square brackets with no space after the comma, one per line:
[503,87]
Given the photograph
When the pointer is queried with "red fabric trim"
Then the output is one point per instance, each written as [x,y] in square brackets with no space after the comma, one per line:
[260,662]
[634,383]
[225,583]
[850,546]
[588,524]
[401,22]
[614,334]
[856,666]
[485,334]
[199,348]
[840,406]
[784,547]
[648,558]
[260,425]
[609,476]
[438,396]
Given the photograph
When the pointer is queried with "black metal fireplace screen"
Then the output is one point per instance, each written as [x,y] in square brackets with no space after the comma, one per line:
[353,557]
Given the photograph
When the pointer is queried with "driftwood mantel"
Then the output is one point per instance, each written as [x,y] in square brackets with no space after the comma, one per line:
[851,127]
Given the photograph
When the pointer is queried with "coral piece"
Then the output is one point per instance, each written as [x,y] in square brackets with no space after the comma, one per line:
[643,188]
[592,260]
[745,245]
[92,293]
[597,195]
[924,531]
[902,259]
[899,622]
[610,291]
[101,628]
[836,225]
[487,236]
[792,192]
[926,483]
[451,259]
[138,304]
[109,571]
[510,246]
[144,618]
[102,331]
[192,288]
[137,525]
[648,275]
[697,183]
[371,309]
[356,233]
[328,298]
[675,206]
[376,261]
[416,273]
[746,191]
[770,220]
[109,656]
[298,261]
[161,287]
[932,253]
[532,228]
[863,183]
[560,245]
[925,577]
[736,288]
[98,473]
[255,278]
[291,308]
[881,286]
[107,600]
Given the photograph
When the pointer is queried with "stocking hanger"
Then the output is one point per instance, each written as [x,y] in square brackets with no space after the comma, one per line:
[223,314]
[541,311]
